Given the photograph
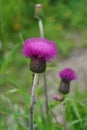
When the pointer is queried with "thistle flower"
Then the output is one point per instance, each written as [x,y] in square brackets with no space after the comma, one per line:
[40,51]
[66,75]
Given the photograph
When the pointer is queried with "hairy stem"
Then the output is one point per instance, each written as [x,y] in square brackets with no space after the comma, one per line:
[40,23]
[64,116]
[32,102]
[46,95]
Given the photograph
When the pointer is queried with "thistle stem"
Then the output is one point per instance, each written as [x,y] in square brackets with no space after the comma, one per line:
[64,116]
[40,23]
[46,95]
[32,102]
[41,28]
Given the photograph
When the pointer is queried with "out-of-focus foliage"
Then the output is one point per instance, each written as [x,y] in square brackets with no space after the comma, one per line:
[18,17]
[63,20]
[59,16]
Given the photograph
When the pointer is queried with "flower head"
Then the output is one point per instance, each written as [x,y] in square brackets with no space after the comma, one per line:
[39,48]
[68,74]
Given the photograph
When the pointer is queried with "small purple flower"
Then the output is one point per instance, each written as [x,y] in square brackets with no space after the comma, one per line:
[40,51]
[67,74]
[58,97]
[39,48]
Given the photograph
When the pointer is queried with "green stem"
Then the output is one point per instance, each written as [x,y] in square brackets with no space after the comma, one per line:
[40,23]
[64,116]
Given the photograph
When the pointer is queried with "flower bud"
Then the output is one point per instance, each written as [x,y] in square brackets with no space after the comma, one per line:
[58,97]
[38,11]
[37,66]
[64,87]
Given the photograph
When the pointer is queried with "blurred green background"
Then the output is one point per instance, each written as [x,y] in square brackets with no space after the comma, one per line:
[64,21]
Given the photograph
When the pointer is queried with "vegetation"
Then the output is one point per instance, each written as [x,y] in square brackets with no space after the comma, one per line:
[62,19]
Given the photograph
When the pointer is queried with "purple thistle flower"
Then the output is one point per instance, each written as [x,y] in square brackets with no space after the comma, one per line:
[40,51]
[39,48]
[68,74]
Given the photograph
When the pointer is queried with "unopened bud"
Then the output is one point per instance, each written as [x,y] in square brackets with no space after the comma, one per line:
[38,11]
[64,87]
